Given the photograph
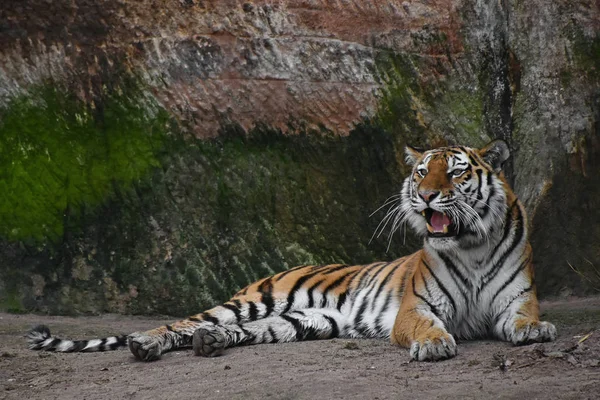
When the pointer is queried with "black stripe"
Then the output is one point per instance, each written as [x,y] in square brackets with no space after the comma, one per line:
[376,274]
[121,341]
[479,195]
[281,275]
[455,275]
[252,311]
[209,318]
[440,285]
[504,327]
[341,301]
[266,288]
[78,345]
[169,328]
[358,319]
[512,277]
[334,269]
[455,272]
[519,233]
[491,195]
[292,295]
[442,202]
[366,270]
[236,311]
[383,283]
[507,225]
[386,304]
[101,345]
[310,333]
[249,335]
[402,285]
[274,337]
[296,324]
[333,285]
[309,292]
[335,331]
[473,161]
[499,315]
[431,306]
[426,284]
[52,345]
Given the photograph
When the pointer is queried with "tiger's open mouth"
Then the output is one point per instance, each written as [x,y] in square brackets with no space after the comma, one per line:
[439,224]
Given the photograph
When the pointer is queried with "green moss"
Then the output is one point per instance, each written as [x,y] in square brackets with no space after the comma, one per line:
[427,113]
[401,98]
[244,207]
[152,222]
[585,52]
[461,112]
[587,55]
[10,301]
[214,216]
[61,157]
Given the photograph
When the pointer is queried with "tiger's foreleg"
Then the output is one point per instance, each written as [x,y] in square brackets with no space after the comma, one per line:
[307,324]
[418,325]
[519,321]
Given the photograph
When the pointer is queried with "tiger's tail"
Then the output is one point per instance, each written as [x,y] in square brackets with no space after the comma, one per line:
[39,338]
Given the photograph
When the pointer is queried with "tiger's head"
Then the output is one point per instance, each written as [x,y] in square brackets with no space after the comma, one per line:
[456,196]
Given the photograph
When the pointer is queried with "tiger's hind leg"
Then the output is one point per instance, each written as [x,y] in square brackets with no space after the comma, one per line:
[307,324]
[150,345]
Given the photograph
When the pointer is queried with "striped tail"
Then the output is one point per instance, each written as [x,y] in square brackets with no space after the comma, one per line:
[39,338]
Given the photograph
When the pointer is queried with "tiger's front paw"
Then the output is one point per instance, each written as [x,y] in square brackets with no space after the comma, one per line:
[144,347]
[533,332]
[433,348]
[208,342]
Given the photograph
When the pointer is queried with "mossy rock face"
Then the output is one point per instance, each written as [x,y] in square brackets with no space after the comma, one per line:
[175,225]
[110,203]
[60,157]
[138,219]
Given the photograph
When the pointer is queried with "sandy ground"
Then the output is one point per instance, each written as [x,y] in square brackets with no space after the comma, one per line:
[336,369]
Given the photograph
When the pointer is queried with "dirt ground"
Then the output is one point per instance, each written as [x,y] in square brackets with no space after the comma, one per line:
[336,369]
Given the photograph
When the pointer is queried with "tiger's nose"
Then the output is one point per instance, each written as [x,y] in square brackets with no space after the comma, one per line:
[428,195]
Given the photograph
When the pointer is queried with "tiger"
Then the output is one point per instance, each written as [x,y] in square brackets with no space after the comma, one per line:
[472,279]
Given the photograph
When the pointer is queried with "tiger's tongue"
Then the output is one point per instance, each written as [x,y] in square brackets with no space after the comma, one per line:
[438,220]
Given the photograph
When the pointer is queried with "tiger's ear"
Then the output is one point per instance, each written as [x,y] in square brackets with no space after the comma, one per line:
[495,154]
[412,155]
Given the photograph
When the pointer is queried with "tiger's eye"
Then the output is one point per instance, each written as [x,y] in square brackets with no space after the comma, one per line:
[422,172]
[457,172]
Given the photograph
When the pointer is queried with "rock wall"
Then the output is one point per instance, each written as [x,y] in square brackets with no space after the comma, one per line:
[159,155]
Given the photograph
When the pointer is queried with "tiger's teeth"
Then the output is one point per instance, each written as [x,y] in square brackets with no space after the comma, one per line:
[430,228]
[445,228]
[423,213]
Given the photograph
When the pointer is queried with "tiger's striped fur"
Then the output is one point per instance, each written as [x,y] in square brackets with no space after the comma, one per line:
[473,278]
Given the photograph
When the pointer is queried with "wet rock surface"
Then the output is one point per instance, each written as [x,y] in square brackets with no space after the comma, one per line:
[277,128]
